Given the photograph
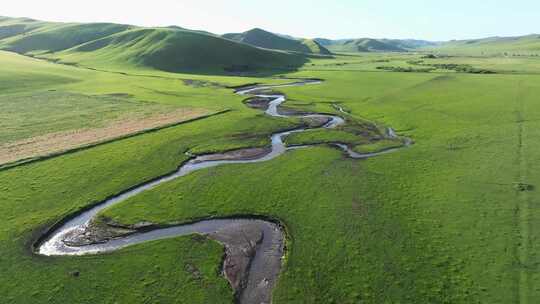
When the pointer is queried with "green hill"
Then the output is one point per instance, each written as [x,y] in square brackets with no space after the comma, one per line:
[521,45]
[264,39]
[105,45]
[177,50]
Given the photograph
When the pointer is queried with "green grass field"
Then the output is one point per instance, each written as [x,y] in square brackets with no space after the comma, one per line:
[41,98]
[451,219]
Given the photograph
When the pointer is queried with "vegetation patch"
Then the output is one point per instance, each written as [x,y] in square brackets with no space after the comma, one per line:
[460,68]
[406,69]
[323,136]
[378,146]
[522,187]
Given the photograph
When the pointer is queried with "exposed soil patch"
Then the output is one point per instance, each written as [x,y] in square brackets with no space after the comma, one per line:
[201,83]
[66,140]
[260,103]
[316,121]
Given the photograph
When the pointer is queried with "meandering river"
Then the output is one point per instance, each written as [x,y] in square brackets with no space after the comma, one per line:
[254,248]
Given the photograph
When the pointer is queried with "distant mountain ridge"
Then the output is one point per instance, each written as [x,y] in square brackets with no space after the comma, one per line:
[492,45]
[373,45]
[264,39]
[528,44]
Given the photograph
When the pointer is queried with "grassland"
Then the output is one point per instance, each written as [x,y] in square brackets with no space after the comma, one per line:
[494,46]
[461,175]
[448,220]
[49,107]
[34,203]
[427,227]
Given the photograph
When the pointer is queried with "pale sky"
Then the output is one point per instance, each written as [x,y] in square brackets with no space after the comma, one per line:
[420,19]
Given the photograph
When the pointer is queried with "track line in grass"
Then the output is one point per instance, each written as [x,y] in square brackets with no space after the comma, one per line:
[523,206]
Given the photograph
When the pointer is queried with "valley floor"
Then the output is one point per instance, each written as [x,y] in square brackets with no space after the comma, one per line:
[451,219]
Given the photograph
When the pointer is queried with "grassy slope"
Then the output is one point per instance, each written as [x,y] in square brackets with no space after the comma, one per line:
[40,97]
[175,50]
[21,74]
[10,27]
[35,101]
[121,46]
[56,37]
[315,48]
[522,45]
[264,39]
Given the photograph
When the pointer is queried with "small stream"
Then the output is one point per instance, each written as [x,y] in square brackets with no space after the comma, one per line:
[265,239]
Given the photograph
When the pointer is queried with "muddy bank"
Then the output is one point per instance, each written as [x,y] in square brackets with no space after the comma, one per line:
[260,103]
[253,248]
[253,258]
[95,233]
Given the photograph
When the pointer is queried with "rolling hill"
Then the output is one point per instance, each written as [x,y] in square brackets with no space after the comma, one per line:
[520,45]
[10,27]
[409,44]
[372,45]
[177,50]
[264,39]
[106,45]
[359,45]
[54,37]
